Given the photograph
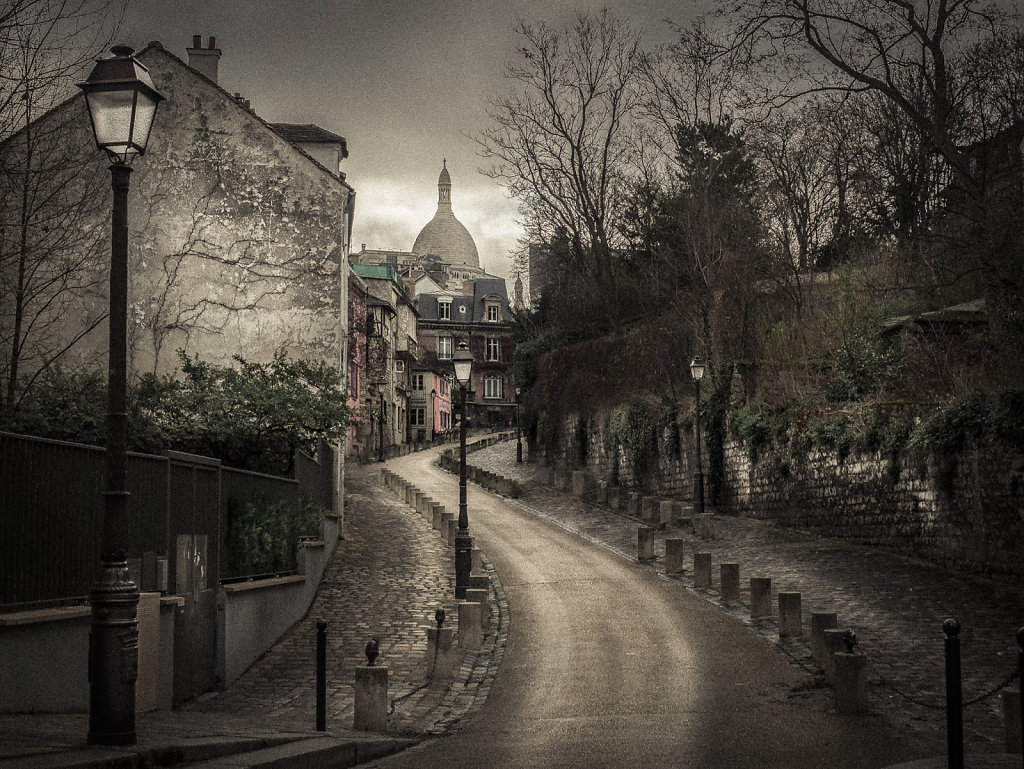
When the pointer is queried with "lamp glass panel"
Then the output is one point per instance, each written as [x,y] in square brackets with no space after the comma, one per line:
[145,114]
[462,370]
[112,119]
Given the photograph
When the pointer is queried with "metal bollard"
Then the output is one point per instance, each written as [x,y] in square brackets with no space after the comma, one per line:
[954,696]
[1020,681]
[321,675]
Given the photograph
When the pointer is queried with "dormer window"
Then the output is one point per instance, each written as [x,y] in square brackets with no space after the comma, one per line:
[493,313]
[444,309]
[462,309]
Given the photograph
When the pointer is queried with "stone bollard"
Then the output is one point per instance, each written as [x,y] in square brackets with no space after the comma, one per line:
[615,497]
[471,636]
[702,570]
[479,581]
[681,516]
[601,493]
[820,622]
[410,495]
[851,683]
[633,504]
[476,561]
[790,619]
[561,480]
[665,510]
[436,516]
[760,598]
[579,483]
[730,582]
[644,543]
[649,508]
[417,500]
[371,699]
[674,553]
[707,526]
[442,655]
[833,645]
[445,517]
[1011,720]
[451,532]
[480,597]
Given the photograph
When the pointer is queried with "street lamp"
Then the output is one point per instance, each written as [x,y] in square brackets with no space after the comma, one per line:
[433,419]
[382,388]
[463,360]
[519,429]
[122,104]
[697,369]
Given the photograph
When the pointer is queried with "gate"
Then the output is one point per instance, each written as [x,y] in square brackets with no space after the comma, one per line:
[195,485]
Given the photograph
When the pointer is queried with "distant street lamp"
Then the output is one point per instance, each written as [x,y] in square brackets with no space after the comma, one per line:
[463,360]
[697,369]
[519,429]
[122,104]
[433,418]
[382,388]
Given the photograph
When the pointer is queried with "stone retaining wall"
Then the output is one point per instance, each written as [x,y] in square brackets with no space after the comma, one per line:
[963,511]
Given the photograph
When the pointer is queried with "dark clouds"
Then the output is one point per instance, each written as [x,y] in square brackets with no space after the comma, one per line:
[407,83]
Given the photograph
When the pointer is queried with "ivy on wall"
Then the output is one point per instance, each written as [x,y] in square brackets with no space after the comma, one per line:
[263,532]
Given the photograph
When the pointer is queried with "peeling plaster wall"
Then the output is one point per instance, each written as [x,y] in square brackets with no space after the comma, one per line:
[235,237]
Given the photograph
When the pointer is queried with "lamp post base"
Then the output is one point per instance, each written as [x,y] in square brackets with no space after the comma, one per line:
[463,562]
[113,654]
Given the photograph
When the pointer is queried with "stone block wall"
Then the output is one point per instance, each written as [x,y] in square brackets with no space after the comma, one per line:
[964,511]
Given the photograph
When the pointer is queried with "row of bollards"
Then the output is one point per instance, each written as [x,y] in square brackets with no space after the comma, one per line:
[443,655]
[833,649]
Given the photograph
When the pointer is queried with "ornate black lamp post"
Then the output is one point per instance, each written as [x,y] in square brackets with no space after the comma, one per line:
[519,429]
[122,104]
[697,369]
[463,360]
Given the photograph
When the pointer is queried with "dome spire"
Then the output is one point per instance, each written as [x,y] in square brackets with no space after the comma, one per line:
[444,186]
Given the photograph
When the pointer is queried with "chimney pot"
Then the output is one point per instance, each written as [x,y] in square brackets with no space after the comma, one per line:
[247,105]
[213,42]
[197,41]
[202,60]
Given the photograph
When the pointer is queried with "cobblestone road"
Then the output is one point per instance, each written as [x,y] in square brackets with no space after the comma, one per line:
[384,581]
[895,604]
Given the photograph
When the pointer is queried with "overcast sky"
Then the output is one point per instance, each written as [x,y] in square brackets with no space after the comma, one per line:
[404,81]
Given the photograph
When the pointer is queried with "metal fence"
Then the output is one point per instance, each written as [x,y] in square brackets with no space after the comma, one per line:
[51,512]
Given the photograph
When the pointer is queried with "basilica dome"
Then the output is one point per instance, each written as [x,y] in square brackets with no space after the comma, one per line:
[444,235]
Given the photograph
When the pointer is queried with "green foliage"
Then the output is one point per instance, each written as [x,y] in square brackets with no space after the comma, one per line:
[972,417]
[263,532]
[751,425]
[63,405]
[635,428]
[858,367]
[252,415]
[830,431]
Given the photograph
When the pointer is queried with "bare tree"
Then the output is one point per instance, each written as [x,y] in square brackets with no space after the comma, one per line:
[562,138]
[47,248]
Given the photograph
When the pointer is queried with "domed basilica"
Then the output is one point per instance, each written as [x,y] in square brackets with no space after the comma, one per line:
[444,249]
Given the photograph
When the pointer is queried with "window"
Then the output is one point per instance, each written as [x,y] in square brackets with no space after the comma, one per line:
[418,417]
[444,347]
[417,381]
[493,313]
[493,348]
[400,366]
[444,309]
[492,386]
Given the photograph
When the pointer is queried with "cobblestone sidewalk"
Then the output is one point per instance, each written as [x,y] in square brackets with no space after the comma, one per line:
[895,604]
[384,581]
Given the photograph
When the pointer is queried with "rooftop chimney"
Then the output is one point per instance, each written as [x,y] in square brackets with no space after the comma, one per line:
[204,60]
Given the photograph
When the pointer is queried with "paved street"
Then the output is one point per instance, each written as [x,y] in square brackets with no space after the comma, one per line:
[384,581]
[607,664]
[895,604]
